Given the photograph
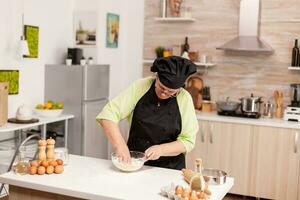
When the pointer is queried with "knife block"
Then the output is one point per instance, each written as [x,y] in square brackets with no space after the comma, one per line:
[3,103]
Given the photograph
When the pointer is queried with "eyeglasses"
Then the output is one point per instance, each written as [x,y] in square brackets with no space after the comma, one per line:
[165,91]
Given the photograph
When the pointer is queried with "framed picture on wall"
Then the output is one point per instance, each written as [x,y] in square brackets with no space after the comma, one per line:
[85,26]
[12,77]
[112,30]
[32,37]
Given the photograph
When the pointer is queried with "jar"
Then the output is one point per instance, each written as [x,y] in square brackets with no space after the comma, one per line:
[22,167]
[206,106]
[167,52]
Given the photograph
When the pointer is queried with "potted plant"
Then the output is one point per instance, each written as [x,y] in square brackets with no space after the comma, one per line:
[82,61]
[69,60]
[159,51]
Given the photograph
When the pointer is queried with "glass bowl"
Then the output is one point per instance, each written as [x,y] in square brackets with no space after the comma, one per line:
[137,161]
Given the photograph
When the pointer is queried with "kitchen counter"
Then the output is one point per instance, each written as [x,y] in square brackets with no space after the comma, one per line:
[274,122]
[42,121]
[91,178]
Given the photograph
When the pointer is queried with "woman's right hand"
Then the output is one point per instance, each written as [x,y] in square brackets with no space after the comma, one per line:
[123,154]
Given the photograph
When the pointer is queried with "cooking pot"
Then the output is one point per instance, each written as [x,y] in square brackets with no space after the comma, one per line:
[250,104]
[227,106]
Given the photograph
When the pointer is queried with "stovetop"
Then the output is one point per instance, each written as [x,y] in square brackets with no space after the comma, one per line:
[239,114]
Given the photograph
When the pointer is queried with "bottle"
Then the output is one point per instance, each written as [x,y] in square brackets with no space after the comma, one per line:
[185,47]
[295,54]
[22,166]
[164,8]
[197,181]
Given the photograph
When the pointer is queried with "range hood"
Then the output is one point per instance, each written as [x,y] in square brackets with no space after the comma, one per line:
[249,34]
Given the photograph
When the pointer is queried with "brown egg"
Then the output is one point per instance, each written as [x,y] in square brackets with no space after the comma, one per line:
[45,163]
[42,143]
[59,169]
[50,169]
[200,195]
[185,193]
[33,170]
[41,170]
[34,163]
[53,163]
[178,190]
[60,161]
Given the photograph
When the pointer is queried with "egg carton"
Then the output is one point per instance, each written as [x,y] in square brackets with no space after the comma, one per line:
[169,191]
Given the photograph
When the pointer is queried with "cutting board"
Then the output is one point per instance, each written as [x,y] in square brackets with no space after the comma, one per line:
[3,103]
[194,87]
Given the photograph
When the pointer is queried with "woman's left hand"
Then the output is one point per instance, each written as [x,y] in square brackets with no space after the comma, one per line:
[153,152]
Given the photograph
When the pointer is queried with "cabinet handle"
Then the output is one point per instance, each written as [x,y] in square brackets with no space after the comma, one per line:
[202,134]
[296,142]
[211,133]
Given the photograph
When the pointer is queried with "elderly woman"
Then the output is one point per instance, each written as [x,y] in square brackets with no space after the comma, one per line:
[161,114]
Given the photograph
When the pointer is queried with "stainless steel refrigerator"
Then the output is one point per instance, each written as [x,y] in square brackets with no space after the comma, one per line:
[84,91]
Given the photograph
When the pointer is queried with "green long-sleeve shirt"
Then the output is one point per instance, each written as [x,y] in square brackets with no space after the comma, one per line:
[123,105]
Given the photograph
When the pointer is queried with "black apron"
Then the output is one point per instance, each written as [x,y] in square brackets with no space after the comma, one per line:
[156,123]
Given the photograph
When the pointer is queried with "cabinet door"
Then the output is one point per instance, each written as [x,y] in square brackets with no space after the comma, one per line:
[229,149]
[275,163]
[200,149]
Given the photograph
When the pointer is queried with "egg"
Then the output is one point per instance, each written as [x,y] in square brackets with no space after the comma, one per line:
[41,170]
[53,163]
[60,161]
[45,163]
[193,195]
[185,193]
[59,169]
[33,170]
[178,190]
[50,169]
[34,163]
[200,195]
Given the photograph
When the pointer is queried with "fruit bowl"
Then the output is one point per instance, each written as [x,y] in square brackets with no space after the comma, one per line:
[48,113]
[137,161]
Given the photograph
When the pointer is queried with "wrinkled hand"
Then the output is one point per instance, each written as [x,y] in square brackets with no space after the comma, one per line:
[153,152]
[123,154]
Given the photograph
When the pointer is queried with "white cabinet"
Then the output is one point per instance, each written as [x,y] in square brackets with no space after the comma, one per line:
[275,163]
[264,161]
[225,146]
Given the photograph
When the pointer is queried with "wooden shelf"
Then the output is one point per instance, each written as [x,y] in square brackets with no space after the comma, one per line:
[294,68]
[148,61]
[174,19]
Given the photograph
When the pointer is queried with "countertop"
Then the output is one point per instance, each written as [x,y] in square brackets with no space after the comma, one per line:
[42,120]
[92,178]
[274,122]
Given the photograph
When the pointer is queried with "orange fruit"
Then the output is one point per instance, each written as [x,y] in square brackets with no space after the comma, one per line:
[48,105]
